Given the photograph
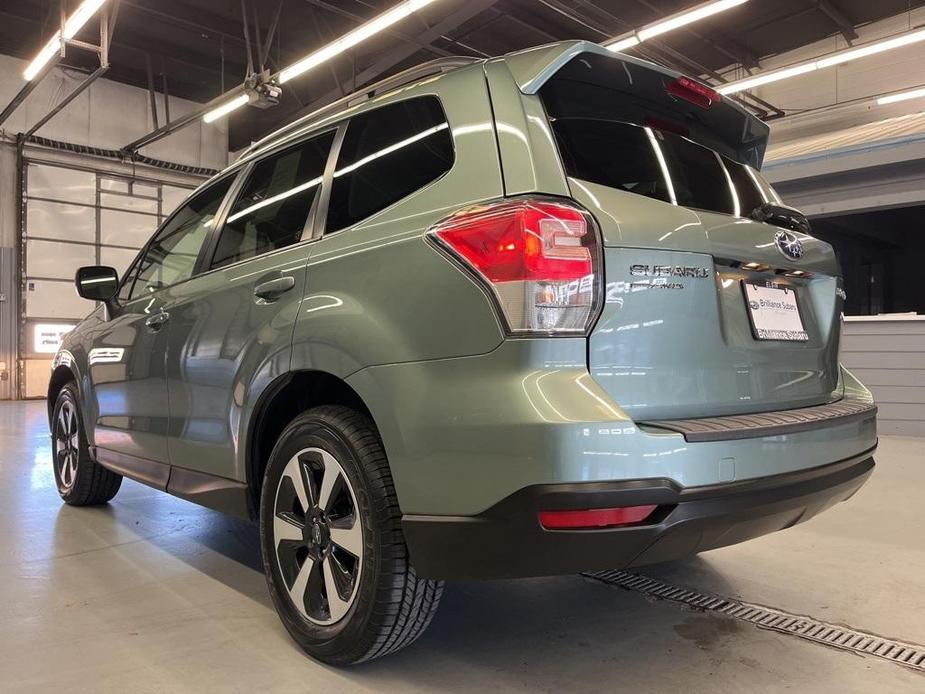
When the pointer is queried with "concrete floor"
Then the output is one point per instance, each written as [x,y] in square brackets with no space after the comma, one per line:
[152,594]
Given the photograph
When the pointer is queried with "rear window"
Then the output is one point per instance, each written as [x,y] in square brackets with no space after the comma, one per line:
[659,165]
[617,124]
[386,155]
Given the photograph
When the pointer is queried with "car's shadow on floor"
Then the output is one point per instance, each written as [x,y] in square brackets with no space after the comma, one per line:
[555,625]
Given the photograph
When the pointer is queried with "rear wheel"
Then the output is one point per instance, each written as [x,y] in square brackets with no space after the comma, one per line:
[333,550]
[81,480]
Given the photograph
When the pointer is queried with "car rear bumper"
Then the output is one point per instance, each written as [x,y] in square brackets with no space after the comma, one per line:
[508,541]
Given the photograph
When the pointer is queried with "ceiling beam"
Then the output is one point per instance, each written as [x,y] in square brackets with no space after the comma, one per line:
[845,25]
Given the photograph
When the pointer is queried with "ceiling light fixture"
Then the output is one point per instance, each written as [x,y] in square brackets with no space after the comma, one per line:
[225,108]
[820,63]
[352,38]
[672,22]
[72,25]
[902,96]
[333,49]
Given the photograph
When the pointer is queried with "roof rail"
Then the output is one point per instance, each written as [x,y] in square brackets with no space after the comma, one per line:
[412,74]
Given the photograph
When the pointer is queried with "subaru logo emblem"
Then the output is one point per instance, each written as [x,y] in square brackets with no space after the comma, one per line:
[789,245]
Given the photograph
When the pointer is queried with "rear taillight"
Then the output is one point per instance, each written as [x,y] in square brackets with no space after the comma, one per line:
[540,258]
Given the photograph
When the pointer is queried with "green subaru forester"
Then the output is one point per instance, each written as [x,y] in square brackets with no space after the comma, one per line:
[524,316]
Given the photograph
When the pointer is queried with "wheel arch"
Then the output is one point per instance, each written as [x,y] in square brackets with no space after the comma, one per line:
[60,377]
[281,402]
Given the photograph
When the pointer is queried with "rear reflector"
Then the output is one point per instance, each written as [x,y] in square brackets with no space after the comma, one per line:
[595,517]
[540,258]
[694,92]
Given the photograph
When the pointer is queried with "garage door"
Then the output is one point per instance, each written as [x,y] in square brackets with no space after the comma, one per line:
[76,216]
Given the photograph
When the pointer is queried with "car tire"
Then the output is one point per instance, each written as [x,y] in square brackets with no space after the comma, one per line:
[81,481]
[379,603]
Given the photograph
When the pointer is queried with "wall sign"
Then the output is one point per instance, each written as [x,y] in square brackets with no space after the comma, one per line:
[46,337]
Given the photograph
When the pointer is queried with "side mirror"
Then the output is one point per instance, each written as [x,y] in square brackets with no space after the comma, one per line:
[782,216]
[97,282]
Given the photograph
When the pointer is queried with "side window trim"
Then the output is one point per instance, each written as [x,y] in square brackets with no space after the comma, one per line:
[196,267]
[310,230]
[207,252]
[320,211]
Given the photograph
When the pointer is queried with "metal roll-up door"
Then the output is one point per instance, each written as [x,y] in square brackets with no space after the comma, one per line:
[73,216]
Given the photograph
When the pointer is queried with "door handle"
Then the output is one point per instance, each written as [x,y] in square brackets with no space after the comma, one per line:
[157,321]
[271,290]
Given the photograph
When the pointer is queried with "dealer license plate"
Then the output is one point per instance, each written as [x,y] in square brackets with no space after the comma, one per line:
[774,313]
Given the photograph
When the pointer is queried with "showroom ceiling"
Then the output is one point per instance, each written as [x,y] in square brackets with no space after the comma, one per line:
[198,48]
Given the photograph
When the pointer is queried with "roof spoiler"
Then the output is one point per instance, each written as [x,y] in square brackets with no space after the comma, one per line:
[533,67]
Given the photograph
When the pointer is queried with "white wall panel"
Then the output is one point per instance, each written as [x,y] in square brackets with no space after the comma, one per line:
[119,258]
[37,375]
[53,299]
[126,228]
[171,197]
[56,259]
[58,183]
[110,114]
[128,202]
[55,220]
[119,185]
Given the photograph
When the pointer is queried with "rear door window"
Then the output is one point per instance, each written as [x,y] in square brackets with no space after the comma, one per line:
[386,155]
[273,208]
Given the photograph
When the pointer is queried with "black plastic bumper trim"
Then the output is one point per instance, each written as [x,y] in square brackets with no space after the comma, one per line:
[507,540]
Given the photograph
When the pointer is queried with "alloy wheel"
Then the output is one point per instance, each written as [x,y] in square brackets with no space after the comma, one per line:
[67,444]
[318,536]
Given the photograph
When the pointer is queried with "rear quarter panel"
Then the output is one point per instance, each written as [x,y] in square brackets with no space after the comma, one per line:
[379,292]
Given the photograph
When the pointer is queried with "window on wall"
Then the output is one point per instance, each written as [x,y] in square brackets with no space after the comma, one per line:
[880,253]
[386,155]
[274,205]
[171,256]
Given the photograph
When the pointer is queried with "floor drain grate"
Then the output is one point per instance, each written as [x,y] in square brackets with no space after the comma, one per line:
[905,654]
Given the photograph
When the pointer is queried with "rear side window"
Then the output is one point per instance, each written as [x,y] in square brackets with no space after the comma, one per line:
[386,155]
[272,210]
[657,164]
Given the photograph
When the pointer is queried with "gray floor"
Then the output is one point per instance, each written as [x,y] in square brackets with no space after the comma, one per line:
[154,594]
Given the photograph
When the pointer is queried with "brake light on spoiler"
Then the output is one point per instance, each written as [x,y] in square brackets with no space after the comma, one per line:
[694,92]
[539,257]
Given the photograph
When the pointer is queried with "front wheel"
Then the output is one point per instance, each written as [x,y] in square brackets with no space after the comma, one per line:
[81,481]
[333,549]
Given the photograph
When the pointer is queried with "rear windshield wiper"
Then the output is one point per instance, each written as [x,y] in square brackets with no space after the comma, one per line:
[781,216]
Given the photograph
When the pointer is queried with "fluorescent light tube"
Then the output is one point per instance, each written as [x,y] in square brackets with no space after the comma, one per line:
[72,25]
[81,15]
[352,38]
[872,49]
[671,22]
[902,96]
[623,44]
[765,78]
[225,108]
[838,58]
[686,17]
[49,51]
